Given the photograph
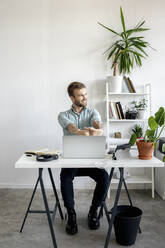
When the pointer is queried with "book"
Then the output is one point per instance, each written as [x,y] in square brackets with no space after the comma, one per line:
[132,86]
[121,110]
[110,111]
[113,111]
[118,111]
[127,84]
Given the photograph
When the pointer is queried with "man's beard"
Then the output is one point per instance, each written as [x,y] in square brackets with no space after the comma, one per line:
[79,104]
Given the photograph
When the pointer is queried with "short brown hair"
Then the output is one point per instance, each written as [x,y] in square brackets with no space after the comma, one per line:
[74,85]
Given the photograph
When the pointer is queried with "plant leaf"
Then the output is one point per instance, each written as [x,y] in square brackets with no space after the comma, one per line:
[122,19]
[141,23]
[141,49]
[163,148]
[160,116]
[150,135]
[111,30]
[111,53]
[133,139]
[152,123]
[164,159]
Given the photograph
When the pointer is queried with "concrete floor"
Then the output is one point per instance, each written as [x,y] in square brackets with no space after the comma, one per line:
[36,233]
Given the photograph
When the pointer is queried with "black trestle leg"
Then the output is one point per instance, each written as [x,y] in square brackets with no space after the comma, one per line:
[57,204]
[28,209]
[103,204]
[47,209]
[114,208]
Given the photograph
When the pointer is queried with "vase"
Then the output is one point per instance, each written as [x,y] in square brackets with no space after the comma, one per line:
[141,114]
[115,84]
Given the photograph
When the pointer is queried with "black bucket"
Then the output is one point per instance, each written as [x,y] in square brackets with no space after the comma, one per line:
[127,222]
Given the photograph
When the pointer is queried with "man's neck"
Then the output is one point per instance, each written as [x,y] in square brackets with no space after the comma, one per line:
[77,108]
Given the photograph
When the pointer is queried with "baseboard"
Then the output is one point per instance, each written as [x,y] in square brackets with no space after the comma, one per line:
[31,186]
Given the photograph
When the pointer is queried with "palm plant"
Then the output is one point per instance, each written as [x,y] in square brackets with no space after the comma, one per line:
[129,49]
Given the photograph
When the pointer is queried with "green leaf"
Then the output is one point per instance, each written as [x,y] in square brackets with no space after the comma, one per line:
[132,139]
[112,52]
[122,19]
[164,159]
[152,123]
[141,23]
[155,145]
[160,116]
[163,148]
[141,49]
[136,30]
[111,30]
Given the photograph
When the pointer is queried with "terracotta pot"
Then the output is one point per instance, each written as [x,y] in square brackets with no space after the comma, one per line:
[145,149]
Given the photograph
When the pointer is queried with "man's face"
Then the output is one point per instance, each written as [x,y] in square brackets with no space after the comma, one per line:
[80,97]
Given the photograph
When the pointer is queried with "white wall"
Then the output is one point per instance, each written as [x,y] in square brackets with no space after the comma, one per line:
[44,45]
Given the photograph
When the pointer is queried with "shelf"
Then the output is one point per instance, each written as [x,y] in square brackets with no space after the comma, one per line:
[127,94]
[134,179]
[127,120]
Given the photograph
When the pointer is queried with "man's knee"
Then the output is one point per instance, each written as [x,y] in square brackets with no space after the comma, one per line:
[67,175]
[104,178]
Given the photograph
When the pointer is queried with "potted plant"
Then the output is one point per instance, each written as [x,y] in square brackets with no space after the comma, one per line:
[141,107]
[156,125]
[138,131]
[125,52]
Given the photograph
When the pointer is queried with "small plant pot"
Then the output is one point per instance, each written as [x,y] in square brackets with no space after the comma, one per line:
[115,84]
[141,114]
[145,149]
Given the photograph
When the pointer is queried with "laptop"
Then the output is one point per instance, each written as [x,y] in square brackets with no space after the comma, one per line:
[85,147]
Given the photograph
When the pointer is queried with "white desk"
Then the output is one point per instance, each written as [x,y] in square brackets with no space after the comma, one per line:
[124,160]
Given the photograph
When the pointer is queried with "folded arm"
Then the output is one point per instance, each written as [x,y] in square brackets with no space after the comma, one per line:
[96,130]
[73,129]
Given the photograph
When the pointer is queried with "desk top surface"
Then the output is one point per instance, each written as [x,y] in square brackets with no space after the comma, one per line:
[127,159]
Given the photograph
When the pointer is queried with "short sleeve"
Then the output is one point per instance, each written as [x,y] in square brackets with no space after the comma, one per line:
[95,116]
[63,120]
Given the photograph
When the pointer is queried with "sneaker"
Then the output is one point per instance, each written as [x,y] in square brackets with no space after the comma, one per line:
[93,221]
[71,226]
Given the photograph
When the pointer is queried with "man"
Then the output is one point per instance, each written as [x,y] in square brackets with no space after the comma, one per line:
[81,120]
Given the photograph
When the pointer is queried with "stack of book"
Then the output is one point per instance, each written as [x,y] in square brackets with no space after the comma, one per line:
[129,85]
[116,110]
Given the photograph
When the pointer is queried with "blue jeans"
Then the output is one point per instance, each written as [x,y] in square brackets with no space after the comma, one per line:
[100,176]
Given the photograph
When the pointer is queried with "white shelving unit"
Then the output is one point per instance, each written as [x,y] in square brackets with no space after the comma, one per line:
[126,120]
[145,91]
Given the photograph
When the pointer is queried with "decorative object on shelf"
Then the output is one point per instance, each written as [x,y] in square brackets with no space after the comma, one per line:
[141,107]
[156,125]
[118,135]
[126,52]
[138,130]
[115,83]
[131,114]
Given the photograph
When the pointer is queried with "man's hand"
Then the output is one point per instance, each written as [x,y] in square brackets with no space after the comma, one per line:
[94,132]
[83,132]
[73,129]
